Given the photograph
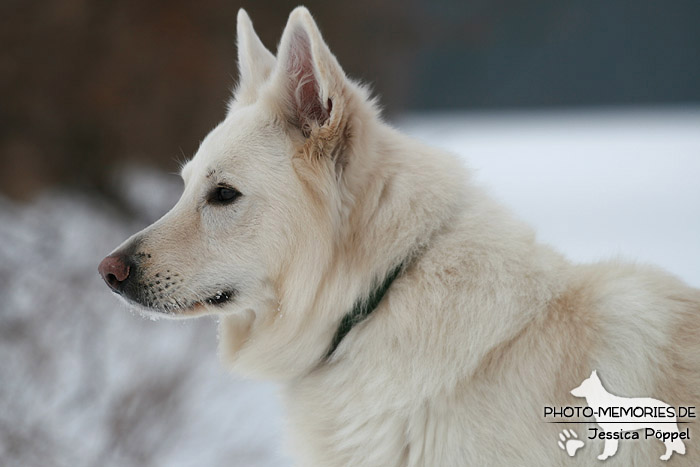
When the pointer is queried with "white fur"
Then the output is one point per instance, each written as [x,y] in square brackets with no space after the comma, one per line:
[483,329]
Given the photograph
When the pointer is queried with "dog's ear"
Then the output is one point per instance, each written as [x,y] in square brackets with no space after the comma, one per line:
[308,77]
[255,62]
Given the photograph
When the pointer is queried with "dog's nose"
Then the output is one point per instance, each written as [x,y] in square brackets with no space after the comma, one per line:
[115,269]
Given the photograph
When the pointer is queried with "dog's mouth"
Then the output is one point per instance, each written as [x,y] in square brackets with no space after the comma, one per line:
[217,299]
[179,306]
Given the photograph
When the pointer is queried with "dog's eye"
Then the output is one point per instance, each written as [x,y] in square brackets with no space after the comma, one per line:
[223,195]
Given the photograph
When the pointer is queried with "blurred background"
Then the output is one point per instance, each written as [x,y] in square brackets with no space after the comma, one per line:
[583,115]
[89,85]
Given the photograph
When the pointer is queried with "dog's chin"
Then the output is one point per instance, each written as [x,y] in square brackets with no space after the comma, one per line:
[209,306]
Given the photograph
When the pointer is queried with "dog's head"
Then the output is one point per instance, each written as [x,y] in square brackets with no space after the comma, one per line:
[265,195]
[590,386]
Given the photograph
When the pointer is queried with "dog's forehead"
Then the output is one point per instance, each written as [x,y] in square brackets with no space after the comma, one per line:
[238,143]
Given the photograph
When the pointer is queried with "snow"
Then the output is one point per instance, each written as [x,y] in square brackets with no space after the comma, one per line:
[85,383]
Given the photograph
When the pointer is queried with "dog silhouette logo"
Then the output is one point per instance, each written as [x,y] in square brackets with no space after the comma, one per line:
[642,413]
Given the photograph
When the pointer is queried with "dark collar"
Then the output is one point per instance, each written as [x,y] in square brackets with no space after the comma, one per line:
[362,309]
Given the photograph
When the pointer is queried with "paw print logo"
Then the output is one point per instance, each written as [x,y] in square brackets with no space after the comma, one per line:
[569,442]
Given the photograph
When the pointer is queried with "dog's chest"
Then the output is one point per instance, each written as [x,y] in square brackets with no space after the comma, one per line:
[336,419]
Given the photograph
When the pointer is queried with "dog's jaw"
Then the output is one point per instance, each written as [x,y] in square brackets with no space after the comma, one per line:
[177,309]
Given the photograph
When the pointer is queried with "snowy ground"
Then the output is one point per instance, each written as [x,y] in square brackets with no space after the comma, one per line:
[85,383]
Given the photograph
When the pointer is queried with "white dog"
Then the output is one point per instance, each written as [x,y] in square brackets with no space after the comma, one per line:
[409,318]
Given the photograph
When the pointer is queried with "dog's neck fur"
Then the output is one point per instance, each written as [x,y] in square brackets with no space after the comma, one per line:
[418,203]
[363,307]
